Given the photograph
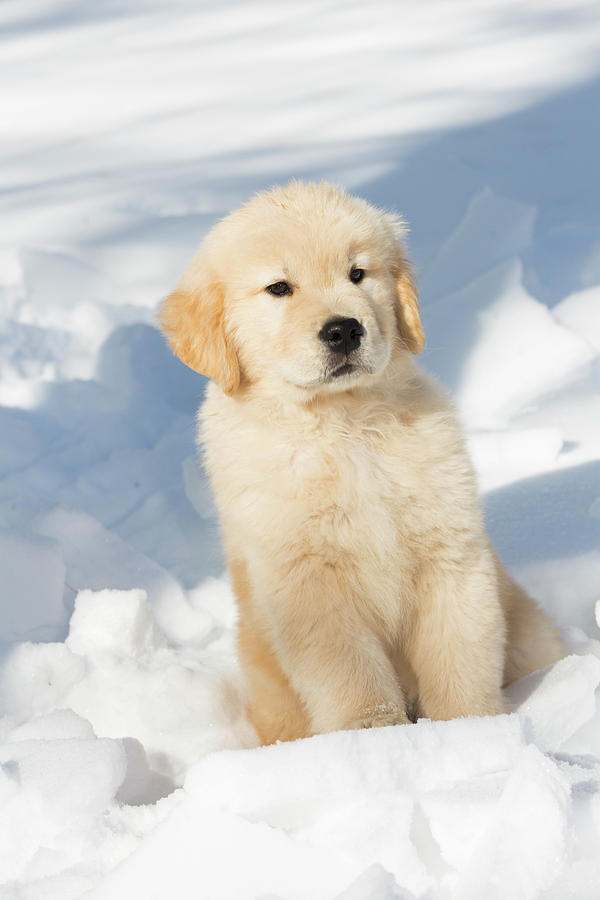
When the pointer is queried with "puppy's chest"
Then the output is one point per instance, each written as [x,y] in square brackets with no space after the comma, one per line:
[347,465]
[346,484]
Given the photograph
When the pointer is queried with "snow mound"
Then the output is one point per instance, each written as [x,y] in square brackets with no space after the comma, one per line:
[117,671]
[517,350]
[432,809]
[54,795]
[98,558]
[97,730]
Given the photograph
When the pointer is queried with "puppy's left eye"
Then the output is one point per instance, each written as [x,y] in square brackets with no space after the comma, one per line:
[357,275]
[279,289]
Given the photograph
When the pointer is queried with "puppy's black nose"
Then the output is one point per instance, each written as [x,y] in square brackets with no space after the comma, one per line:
[342,335]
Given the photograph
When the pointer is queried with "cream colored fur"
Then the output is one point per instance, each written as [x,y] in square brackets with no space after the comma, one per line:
[367,588]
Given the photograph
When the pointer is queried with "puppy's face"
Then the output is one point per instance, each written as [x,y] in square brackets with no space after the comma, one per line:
[303,287]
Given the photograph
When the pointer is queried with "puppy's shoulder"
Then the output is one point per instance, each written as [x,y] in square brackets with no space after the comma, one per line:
[422,404]
[430,422]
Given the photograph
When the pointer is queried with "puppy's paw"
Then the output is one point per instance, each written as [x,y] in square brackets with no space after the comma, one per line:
[378,717]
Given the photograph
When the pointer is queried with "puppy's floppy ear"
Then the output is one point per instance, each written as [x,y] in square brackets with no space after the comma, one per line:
[194,322]
[407,310]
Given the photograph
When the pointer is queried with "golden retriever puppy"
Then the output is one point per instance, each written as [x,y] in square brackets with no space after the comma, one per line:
[367,588]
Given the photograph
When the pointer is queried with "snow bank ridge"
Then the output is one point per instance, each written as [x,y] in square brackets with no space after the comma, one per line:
[403,812]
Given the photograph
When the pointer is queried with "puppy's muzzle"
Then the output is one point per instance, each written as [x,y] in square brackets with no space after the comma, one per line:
[342,335]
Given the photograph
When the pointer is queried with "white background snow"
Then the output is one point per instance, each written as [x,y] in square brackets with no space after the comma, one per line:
[128,127]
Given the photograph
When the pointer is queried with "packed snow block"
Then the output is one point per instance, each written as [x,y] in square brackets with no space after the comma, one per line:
[493,229]
[51,793]
[527,844]
[473,329]
[116,674]
[76,779]
[525,448]
[115,622]
[33,579]
[97,559]
[57,725]
[34,679]
[175,706]
[214,596]
[503,456]
[558,701]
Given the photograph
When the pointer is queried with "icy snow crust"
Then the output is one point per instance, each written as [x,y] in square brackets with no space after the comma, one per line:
[127,767]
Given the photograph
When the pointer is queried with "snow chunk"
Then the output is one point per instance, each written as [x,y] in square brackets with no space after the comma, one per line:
[504,456]
[115,622]
[60,724]
[514,349]
[53,793]
[116,671]
[562,700]
[527,844]
[35,678]
[175,705]
[97,558]
[508,449]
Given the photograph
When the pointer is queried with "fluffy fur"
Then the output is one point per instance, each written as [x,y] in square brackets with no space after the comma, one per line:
[367,588]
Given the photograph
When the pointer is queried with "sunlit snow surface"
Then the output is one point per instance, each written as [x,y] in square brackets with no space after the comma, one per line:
[127,768]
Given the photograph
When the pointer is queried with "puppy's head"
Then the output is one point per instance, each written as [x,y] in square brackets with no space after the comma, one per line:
[304,286]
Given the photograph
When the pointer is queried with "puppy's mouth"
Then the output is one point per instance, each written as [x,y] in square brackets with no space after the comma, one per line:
[349,370]
[342,373]
[345,369]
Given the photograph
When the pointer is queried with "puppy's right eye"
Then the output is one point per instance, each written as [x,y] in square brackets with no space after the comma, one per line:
[279,289]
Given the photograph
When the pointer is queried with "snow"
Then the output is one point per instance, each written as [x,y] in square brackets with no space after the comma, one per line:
[33,593]
[579,312]
[494,384]
[127,766]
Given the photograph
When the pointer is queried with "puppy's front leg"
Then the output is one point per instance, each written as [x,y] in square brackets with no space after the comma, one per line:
[332,657]
[458,645]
